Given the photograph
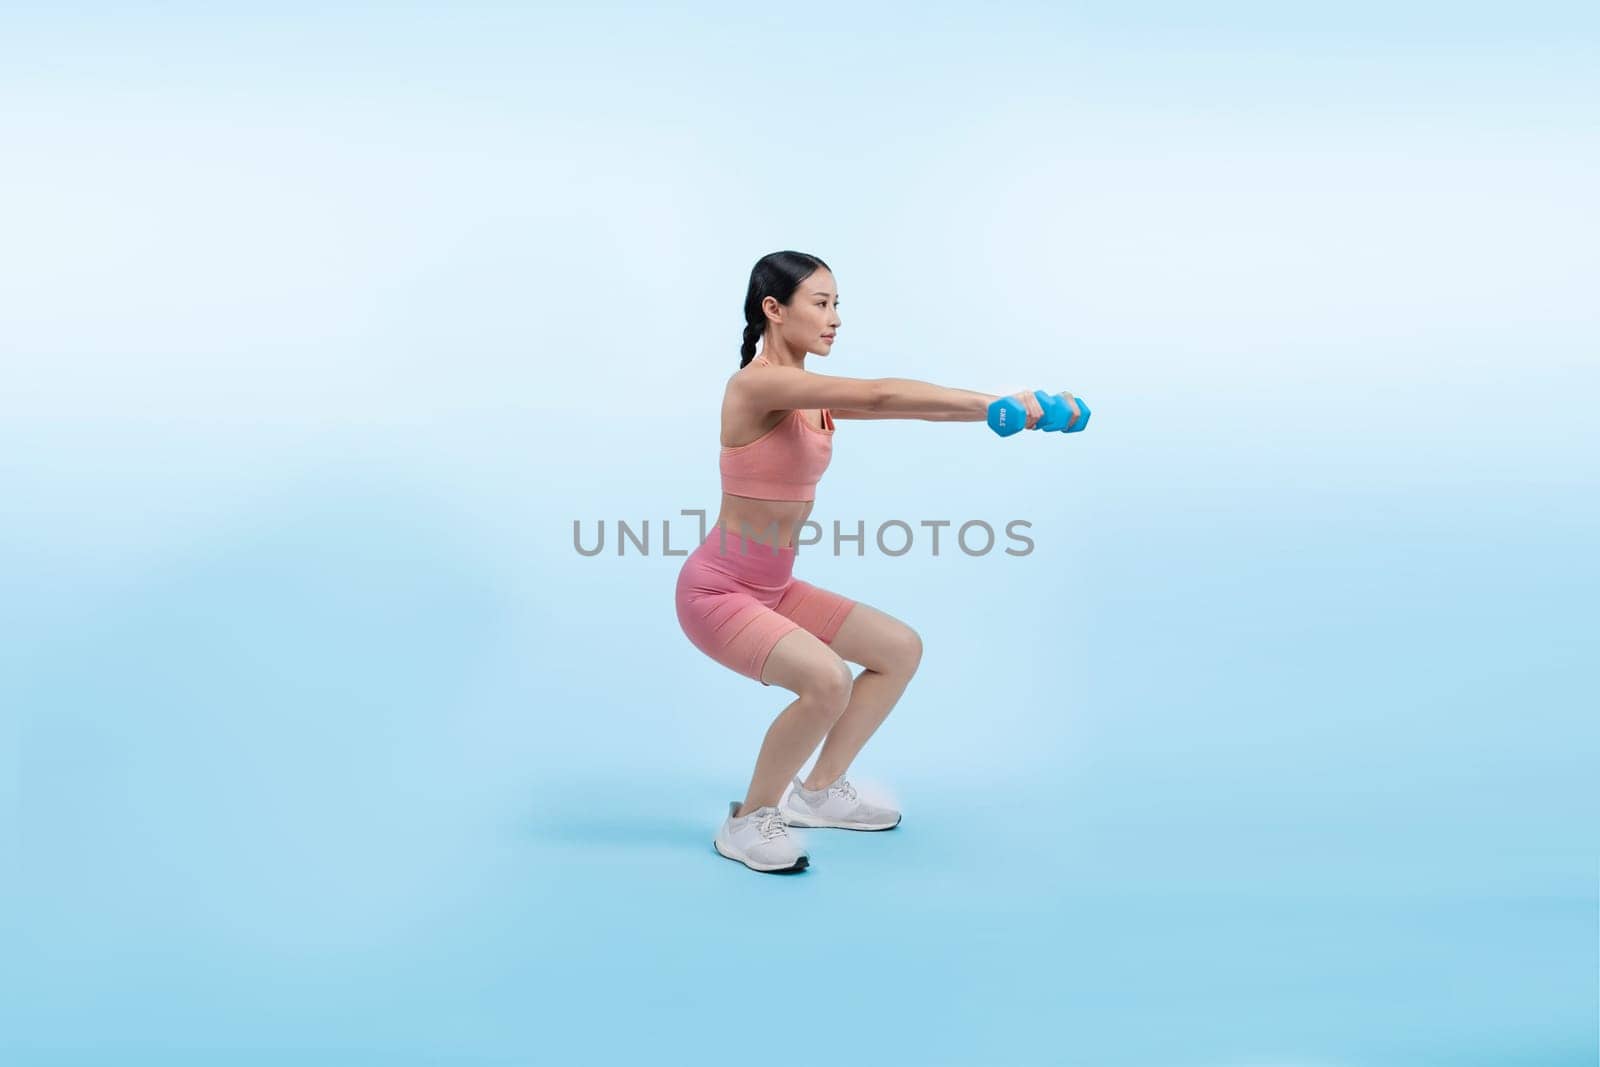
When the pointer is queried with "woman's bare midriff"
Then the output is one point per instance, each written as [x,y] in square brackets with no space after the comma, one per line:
[754,519]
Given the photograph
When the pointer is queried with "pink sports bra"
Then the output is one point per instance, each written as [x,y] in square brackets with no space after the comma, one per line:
[785,463]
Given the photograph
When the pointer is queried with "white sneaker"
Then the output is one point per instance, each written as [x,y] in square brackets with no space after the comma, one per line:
[838,806]
[761,841]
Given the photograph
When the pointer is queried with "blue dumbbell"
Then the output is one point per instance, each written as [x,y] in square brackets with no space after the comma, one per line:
[1007,416]
[1056,411]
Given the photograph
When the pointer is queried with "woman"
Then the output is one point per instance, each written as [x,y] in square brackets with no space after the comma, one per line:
[737,598]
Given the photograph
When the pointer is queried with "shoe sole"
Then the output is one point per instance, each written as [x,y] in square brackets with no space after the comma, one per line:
[794,868]
[821,824]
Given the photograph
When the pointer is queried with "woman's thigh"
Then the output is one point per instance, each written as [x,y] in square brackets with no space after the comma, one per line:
[877,640]
[820,612]
[799,662]
[734,628]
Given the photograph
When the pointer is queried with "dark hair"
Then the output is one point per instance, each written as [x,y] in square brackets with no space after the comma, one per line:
[776,274]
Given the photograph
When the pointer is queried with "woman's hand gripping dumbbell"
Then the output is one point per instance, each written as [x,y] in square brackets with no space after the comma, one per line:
[1038,410]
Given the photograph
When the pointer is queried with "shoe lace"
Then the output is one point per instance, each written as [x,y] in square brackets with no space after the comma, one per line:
[771,825]
[846,790]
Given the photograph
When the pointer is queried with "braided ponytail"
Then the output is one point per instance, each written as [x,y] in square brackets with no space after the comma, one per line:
[752,334]
[776,274]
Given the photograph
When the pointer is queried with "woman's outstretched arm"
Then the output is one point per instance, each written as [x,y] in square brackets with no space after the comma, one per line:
[908,398]
[780,388]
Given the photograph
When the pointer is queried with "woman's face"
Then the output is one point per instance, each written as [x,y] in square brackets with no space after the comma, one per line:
[812,315]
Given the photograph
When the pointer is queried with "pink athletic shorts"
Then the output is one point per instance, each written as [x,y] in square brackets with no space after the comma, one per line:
[737,597]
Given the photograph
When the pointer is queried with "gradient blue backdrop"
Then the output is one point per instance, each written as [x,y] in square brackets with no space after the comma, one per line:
[320,328]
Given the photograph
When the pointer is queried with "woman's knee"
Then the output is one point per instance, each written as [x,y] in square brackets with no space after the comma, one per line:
[904,651]
[811,670]
[828,687]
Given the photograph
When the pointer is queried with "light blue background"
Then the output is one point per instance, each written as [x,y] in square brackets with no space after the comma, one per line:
[320,329]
